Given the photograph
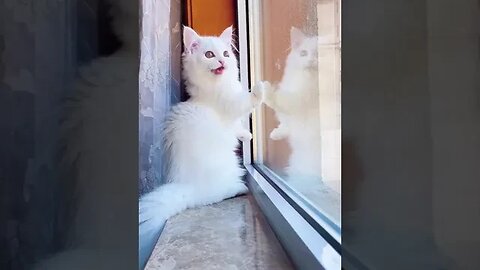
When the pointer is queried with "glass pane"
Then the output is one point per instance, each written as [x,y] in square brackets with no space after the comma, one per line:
[299,137]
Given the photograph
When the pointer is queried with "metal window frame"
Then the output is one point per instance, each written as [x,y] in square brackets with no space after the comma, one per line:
[304,234]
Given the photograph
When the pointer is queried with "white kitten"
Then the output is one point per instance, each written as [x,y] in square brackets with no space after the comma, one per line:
[200,135]
[296,102]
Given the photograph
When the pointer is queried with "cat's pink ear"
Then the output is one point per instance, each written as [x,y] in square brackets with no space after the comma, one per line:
[296,37]
[226,35]
[190,39]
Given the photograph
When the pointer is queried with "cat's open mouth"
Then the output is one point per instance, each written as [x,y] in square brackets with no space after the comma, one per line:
[219,70]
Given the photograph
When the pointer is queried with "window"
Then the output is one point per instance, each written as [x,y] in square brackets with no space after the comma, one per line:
[295,45]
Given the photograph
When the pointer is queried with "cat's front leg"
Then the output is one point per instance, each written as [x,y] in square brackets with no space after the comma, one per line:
[278,100]
[243,103]
[258,92]
[269,97]
[279,133]
[244,135]
[282,101]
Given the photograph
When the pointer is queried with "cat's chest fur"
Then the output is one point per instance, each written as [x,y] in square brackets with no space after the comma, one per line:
[193,120]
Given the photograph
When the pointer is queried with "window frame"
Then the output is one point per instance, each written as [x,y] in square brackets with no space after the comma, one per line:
[303,232]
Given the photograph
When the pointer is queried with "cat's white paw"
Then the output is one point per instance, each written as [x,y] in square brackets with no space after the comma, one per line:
[236,189]
[268,94]
[259,90]
[278,134]
[244,136]
[242,189]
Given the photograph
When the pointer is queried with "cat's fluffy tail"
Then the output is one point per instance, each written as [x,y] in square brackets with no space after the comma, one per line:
[167,200]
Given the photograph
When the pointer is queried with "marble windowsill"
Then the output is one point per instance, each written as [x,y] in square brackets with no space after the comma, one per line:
[231,234]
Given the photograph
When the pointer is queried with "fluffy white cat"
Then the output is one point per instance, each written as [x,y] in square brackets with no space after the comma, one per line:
[200,135]
[296,104]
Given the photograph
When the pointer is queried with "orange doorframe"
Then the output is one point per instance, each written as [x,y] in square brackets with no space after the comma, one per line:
[210,17]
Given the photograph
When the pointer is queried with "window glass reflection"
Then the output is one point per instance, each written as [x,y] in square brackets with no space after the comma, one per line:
[301,119]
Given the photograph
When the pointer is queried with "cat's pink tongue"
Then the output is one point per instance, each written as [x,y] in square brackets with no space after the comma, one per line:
[218,71]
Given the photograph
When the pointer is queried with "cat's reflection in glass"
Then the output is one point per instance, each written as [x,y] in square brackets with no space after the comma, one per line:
[295,100]
[305,102]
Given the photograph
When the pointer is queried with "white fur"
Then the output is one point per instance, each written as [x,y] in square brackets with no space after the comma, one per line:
[200,135]
[296,104]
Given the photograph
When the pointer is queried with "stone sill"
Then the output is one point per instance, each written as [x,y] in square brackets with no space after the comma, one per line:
[232,234]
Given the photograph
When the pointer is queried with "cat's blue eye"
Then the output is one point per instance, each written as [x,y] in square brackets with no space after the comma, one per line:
[303,53]
[226,54]
[209,54]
